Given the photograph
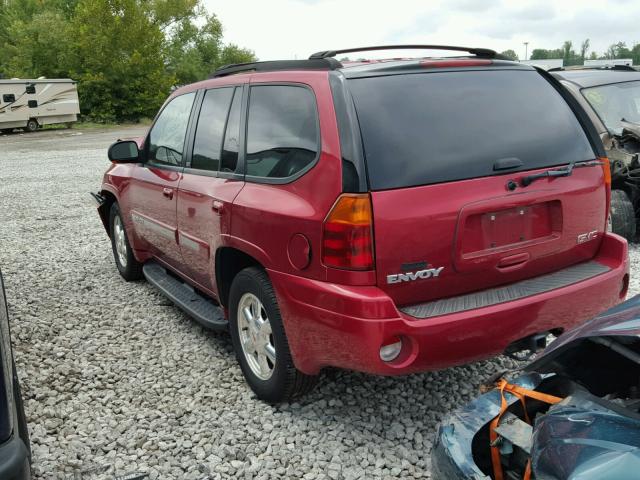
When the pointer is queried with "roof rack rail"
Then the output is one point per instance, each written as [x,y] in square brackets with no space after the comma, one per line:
[480,52]
[273,65]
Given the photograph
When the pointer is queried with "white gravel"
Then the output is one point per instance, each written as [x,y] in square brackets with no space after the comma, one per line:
[116,377]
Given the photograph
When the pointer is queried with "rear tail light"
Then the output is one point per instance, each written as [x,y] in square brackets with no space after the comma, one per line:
[347,234]
[606,172]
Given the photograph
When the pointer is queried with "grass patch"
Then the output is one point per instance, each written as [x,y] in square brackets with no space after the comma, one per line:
[88,125]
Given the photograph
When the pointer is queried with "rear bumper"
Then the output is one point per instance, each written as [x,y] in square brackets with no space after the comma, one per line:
[344,326]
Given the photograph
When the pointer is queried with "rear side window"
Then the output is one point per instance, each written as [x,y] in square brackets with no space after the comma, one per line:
[420,129]
[166,139]
[213,116]
[231,146]
[282,131]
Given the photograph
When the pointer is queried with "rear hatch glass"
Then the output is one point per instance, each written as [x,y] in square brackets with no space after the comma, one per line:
[420,129]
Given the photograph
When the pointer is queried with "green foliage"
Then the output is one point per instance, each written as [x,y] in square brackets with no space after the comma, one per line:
[510,54]
[125,54]
[570,57]
[618,50]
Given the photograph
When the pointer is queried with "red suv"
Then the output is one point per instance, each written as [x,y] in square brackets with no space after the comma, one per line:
[388,216]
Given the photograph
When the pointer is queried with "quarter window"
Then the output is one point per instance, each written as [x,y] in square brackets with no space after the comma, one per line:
[210,130]
[166,139]
[282,131]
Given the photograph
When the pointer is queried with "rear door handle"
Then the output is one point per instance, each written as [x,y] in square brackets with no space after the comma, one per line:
[217,206]
[167,192]
[513,262]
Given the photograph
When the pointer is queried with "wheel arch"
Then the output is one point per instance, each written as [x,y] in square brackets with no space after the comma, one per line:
[105,208]
[229,262]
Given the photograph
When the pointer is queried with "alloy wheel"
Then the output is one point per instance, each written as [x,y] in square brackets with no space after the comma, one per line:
[120,241]
[256,337]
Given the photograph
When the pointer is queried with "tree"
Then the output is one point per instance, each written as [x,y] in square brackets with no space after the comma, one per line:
[125,54]
[194,52]
[539,54]
[618,50]
[635,54]
[510,54]
[584,47]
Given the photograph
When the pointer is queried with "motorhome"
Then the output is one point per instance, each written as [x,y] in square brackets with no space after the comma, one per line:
[30,104]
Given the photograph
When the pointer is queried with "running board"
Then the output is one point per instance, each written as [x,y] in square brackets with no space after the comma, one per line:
[204,310]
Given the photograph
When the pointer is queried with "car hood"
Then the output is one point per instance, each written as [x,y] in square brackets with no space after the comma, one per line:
[584,437]
[620,321]
[631,128]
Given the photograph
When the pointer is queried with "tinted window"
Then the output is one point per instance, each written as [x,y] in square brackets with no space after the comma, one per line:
[210,130]
[282,131]
[166,139]
[614,103]
[438,127]
[9,97]
[229,160]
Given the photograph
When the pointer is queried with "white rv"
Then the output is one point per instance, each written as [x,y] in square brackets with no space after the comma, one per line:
[33,103]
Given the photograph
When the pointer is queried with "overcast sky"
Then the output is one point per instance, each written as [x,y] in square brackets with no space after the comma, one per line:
[285,29]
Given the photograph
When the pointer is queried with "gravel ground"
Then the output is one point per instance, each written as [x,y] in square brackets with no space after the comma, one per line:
[116,377]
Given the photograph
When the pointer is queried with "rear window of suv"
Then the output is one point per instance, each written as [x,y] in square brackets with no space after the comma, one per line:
[420,129]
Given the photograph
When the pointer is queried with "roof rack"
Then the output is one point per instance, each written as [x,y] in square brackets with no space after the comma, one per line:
[622,68]
[480,52]
[273,65]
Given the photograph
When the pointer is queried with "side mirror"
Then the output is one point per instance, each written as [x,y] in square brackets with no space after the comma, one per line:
[124,151]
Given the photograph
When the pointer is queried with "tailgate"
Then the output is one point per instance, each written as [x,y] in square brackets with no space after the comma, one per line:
[446,153]
[482,237]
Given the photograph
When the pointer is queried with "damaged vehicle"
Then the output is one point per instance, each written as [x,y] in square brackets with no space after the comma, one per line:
[574,412]
[611,97]
[329,214]
[15,447]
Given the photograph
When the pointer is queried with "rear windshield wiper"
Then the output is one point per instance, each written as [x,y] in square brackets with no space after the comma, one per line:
[558,172]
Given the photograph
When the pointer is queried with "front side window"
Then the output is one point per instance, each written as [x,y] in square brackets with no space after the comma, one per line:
[213,116]
[615,103]
[282,131]
[167,136]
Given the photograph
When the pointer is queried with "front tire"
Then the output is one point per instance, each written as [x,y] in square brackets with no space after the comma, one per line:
[32,125]
[622,215]
[128,266]
[260,342]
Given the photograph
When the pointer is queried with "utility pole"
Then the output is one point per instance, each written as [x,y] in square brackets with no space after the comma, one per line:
[526,45]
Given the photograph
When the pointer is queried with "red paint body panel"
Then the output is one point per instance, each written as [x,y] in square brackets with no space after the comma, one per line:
[334,325]
[448,225]
[472,228]
[204,212]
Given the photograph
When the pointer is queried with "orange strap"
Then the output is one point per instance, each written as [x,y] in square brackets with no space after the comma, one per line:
[527,471]
[522,394]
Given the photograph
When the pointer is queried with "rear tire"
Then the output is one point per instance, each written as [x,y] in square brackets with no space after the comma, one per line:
[623,217]
[23,430]
[128,266]
[279,380]
[32,125]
